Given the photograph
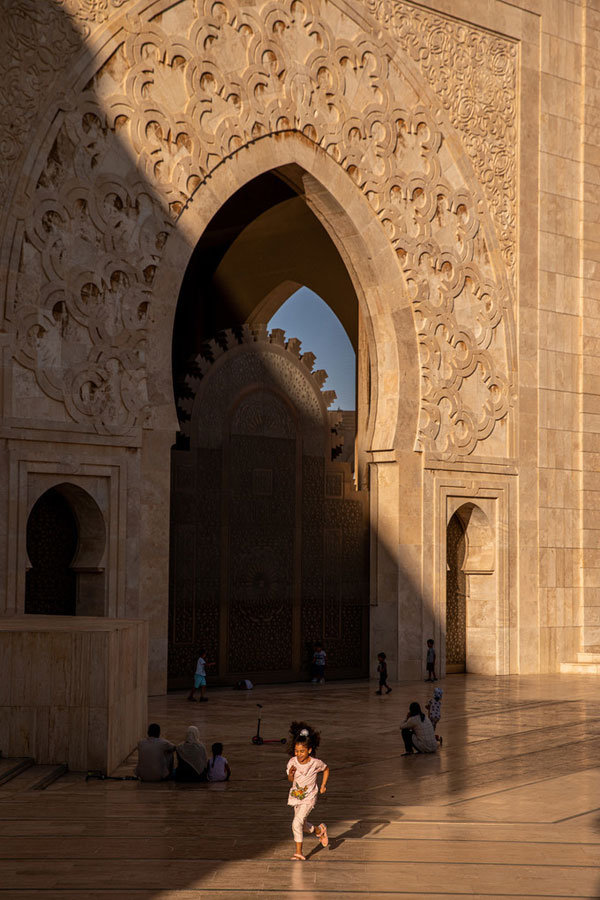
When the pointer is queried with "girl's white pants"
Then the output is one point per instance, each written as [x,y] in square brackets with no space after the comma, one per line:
[300,824]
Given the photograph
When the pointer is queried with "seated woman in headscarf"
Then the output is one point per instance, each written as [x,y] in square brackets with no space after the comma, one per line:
[192,758]
[418,732]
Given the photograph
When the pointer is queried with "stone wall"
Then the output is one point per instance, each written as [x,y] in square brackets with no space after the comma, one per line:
[73,689]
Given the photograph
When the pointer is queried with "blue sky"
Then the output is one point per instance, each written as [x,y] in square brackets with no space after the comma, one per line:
[306,317]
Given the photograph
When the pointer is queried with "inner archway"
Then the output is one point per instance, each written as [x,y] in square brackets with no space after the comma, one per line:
[269,536]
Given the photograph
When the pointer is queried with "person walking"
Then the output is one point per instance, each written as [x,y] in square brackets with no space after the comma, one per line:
[383,675]
[200,678]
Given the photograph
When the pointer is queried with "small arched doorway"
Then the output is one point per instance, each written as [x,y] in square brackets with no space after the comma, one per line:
[66,540]
[456,597]
[472,605]
[52,539]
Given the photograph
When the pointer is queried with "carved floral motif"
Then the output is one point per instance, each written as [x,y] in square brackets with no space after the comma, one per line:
[92,12]
[186,91]
[37,42]
[474,75]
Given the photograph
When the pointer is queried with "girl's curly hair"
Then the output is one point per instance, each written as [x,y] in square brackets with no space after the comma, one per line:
[302,733]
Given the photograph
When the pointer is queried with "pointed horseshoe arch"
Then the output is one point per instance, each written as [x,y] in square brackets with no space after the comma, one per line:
[294,75]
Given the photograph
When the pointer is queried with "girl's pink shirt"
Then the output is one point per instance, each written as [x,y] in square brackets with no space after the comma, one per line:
[304,786]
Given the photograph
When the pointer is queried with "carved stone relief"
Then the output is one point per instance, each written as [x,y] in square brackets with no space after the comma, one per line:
[194,85]
[474,75]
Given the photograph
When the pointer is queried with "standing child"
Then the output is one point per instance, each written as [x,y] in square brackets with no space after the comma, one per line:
[318,664]
[430,661]
[302,771]
[218,767]
[200,678]
[382,669]
[434,709]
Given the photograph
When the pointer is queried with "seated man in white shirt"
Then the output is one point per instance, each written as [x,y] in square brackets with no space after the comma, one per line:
[155,756]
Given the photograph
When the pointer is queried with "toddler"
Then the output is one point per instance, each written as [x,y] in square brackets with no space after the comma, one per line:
[382,669]
[430,661]
[318,664]
[434,709]
[218,767]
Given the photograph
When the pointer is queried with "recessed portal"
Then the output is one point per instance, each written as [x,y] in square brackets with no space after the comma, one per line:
[456,597]
[66,541]
[269,534]
[52,538]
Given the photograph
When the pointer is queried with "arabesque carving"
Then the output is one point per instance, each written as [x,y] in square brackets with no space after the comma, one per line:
[37,43]
[258,357]
[92,12]
[474,75]
[180,95]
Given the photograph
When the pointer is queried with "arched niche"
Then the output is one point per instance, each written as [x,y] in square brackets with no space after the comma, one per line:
[66,543]
[472,570]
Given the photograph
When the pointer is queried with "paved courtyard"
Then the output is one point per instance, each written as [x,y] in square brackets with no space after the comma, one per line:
[509,808]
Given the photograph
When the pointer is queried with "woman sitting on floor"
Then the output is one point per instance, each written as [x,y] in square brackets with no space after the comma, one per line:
[418,732]
[192,758]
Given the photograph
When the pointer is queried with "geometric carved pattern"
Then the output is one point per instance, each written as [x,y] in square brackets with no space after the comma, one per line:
[187,90]
[258,357]
[238,531]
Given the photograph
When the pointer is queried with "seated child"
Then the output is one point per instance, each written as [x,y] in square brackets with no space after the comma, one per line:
[218,767]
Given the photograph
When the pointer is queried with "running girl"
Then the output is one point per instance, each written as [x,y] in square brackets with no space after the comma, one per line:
[302,770]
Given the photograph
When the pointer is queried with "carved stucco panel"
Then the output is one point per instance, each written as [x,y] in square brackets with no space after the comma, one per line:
[474,74]
[179,96]
[270,365]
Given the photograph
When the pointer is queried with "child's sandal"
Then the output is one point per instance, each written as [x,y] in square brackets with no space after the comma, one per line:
[323,835]
[298,856]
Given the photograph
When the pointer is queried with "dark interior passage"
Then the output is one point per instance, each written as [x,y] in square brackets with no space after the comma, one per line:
[52,538]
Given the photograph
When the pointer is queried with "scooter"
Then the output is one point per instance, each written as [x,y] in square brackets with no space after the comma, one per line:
[257,739]
[102,777]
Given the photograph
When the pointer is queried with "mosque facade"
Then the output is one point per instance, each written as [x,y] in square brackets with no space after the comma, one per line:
[171,172]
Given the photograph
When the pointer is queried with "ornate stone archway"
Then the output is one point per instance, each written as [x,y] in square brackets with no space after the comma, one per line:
[183,103]
[182,93]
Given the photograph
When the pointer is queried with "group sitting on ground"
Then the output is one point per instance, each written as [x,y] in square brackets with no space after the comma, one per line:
[156,758]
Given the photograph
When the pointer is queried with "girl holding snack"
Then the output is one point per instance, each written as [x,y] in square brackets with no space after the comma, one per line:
[302,771]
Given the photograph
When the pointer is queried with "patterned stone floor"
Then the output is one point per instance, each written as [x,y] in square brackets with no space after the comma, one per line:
[509,808]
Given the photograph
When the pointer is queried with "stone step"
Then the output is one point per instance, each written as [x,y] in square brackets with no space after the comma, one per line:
[11,767]
[50,777]
[33,778]
[588,657]
[580,668]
